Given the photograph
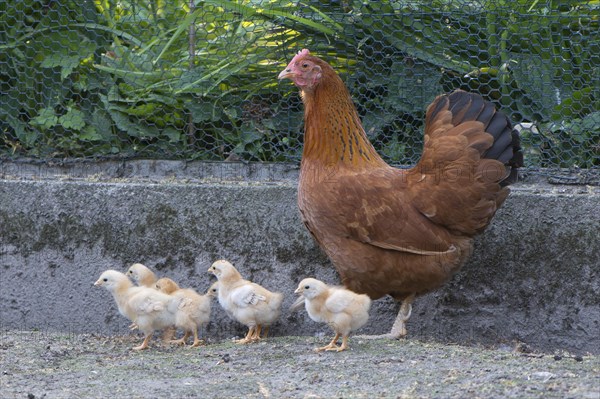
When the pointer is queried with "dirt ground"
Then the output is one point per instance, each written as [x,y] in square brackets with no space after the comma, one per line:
[54,365]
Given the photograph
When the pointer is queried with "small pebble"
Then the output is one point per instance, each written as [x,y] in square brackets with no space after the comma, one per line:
[557,357]
[578,358]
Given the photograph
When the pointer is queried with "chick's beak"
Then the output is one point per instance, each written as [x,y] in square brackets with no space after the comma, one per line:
[286,74]
[97,283]
[299,290]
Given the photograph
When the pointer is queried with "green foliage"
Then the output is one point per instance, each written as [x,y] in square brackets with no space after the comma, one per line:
[155,78]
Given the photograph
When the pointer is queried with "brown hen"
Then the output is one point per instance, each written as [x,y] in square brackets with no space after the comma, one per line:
[398,232]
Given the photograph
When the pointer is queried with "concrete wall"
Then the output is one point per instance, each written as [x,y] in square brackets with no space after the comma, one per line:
[534,276]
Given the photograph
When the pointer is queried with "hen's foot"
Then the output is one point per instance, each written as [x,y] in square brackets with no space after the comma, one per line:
[389,336]
[399,326]
[198,342]
[179,341]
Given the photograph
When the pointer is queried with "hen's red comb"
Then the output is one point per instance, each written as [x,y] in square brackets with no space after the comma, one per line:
[301,53]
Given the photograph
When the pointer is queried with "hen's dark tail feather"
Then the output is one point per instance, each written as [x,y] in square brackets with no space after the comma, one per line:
[507,143]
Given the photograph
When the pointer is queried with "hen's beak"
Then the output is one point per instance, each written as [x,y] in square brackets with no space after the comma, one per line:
[286,74]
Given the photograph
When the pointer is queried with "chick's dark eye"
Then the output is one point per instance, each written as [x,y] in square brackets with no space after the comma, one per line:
[105,280]
[306,287]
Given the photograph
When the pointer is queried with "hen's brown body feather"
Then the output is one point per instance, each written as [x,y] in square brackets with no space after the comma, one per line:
[393,231]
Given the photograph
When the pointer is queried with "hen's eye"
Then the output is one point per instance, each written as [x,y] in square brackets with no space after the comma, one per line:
[305,65]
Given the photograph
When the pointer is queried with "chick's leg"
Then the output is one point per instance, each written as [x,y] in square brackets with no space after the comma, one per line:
[344,345]
[256,335]
[182,340]
[144,344]
[168,334]
[332,346]
[266,331]
[248,337]
[197,340]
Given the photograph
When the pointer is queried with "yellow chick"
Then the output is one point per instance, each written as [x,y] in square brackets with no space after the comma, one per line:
[213,291]
[245,301]
[343,310]
[193,312]
[142,276]
[148,308]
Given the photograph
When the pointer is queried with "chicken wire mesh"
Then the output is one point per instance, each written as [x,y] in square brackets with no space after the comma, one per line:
[198,79]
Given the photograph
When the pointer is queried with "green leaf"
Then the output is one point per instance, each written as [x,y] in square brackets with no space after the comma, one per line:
[90,133]
[45,119]
[203,111]
[173,135]
[66,64]
[73,119]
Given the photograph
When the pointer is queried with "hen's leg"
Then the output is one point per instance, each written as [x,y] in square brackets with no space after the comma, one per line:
[332,346]
[399,326]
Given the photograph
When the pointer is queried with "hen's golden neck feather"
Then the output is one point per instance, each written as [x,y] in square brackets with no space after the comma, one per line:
[333,131]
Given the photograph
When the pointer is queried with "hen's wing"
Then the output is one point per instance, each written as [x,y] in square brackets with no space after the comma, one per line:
[374,207]
[453,190]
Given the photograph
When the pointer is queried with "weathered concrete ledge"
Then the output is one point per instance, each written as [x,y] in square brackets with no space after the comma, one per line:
[534,276]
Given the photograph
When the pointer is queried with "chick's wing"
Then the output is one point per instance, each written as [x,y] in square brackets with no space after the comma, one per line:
[149,301]
[246,295]
[339,300]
